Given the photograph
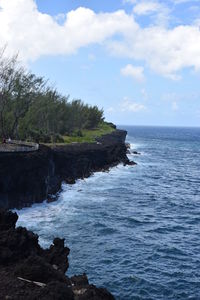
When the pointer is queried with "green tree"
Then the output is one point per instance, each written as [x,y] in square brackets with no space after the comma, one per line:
[32,109]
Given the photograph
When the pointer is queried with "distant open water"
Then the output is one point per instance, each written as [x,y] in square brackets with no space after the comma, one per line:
[134,230]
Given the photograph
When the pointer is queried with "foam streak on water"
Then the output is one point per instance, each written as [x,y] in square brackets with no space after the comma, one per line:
[134,230]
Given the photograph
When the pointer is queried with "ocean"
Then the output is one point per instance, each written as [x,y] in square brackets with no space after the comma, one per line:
[136,229]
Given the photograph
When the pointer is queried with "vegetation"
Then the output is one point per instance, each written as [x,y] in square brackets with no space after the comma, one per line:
[89,135]
[31,109]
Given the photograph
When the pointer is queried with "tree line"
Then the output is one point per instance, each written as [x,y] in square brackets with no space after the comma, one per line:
[31,109]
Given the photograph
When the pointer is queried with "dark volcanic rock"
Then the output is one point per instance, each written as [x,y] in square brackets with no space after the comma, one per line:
[7,220]
[131,163]
[135,152]
[79,280]
[57,291]
[28,272]
[80,283]
[26,244]
[26,241]
[56,255]
[91,292]
[27,178]
[36,268]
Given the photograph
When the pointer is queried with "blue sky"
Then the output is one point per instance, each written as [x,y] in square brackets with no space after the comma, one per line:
[139,60]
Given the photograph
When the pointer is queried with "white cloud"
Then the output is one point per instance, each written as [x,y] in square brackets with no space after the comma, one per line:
[34,34]
[144,8]
[127,106]
[158,11]
[130,106]
[137,73]
[164,50]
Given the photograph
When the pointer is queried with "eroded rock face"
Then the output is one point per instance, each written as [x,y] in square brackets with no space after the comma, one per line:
[56,255]
[29,272]
[27,178]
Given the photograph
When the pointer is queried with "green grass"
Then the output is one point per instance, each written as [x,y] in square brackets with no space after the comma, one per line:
[89,135]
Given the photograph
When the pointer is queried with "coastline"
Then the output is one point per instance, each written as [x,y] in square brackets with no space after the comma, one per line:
[28,272]
[28,178]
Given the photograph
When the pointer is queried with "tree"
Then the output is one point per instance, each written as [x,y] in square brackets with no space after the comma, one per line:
[32,109]
[8,70]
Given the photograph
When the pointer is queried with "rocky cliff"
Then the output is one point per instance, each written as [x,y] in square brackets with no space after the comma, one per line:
[27,178]
[28,272]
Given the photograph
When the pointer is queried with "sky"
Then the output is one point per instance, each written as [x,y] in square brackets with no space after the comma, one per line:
[139,60]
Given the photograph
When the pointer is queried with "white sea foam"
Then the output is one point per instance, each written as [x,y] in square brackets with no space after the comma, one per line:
[70,195]
[135,146]
[49,220]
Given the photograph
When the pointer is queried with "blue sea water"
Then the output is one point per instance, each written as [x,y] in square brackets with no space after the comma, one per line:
[134,230]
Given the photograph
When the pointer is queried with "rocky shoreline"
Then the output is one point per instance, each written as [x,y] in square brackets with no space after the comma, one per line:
[32,177]
[28,272]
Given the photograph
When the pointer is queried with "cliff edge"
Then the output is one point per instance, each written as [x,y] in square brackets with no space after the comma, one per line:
[31,177]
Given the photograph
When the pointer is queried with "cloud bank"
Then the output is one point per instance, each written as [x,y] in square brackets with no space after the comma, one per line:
[165,51]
